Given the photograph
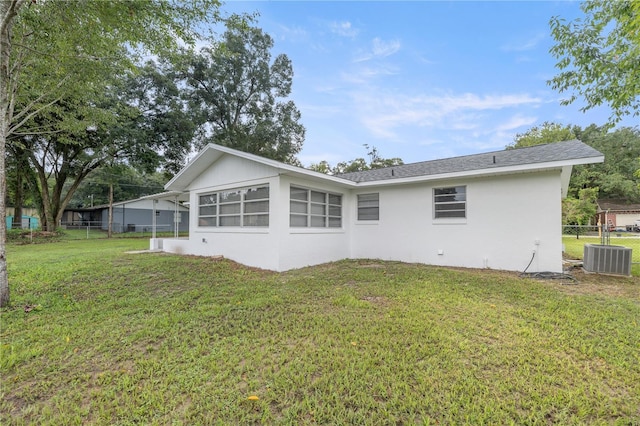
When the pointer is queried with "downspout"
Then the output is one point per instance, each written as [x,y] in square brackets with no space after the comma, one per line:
[153,220]
[175,219]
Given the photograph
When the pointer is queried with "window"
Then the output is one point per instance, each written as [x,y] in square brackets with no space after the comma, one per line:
[368,206]
[236,207]
[314,209]
[450,202]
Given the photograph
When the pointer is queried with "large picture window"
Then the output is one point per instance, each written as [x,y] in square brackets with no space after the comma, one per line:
[450,202]
[369,206]
[244,207]
[314,209]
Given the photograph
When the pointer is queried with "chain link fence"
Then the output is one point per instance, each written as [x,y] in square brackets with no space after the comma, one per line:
[90,230]
[97,229]
[574,237]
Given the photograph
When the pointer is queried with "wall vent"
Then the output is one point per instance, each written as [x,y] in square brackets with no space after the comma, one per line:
[607,259]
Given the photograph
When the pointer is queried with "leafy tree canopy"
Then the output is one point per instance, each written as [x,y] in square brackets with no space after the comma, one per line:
[547,132]
[240,92]
[599,56]
[358,164]
[616,178]
[128,183]
[77,100]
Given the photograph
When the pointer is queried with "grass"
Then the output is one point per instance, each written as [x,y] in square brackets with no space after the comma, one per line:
[115,338]
[574,247]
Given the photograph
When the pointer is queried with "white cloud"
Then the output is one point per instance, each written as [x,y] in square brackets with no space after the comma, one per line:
[294,33]
[516,122]
[382,48]
[379,49]
[388,115]
[521,46]
[344,29]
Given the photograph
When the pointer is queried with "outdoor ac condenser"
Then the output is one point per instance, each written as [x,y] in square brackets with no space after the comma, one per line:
[607,259]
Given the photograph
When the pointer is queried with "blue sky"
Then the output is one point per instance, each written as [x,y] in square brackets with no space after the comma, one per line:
[418,80]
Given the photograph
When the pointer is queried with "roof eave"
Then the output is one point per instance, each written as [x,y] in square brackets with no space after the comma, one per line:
[485,172]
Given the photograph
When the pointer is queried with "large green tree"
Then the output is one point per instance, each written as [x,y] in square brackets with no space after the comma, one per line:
[599,56]
[162,132]
[52,51]
[241,93]
[616,177]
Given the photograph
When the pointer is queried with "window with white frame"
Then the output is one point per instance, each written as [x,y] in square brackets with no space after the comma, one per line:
[450,202]
[314,209]
[242,207]
[369,206]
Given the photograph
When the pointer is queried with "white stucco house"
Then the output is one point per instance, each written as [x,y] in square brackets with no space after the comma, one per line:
[490,210]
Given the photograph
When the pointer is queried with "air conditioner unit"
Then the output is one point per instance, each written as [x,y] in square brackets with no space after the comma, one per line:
[607,259]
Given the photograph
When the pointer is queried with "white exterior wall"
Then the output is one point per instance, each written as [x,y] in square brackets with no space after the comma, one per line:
[624,219]
[278,247]
[312,246]
[505,217]
[256,247]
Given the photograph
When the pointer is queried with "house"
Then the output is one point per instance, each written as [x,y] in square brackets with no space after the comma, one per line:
[499,210]
[618,214]
[138,215]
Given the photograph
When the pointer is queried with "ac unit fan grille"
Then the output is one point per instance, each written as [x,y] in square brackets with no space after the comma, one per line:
[607,259]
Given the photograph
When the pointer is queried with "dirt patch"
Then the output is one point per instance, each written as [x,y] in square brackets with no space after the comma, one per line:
[599,284]
[377,300]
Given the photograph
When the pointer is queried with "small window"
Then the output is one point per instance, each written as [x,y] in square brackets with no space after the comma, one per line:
[369,206]
[237,207]
[450,202]
[314,209]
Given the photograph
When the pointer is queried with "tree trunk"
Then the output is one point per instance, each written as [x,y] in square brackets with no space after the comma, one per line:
[19,197]
[8,11]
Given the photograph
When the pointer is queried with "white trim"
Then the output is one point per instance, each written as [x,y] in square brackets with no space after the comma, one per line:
[212,153]
[310,230]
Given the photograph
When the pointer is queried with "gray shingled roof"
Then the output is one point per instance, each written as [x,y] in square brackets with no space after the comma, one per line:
[558,151]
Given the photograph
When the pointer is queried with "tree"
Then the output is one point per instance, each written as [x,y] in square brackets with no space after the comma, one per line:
[617,177]
[128,183]
[8,13]
[547,132]
[599,56]
[358,164]
[237,88]
[51,49]
[162,129]
[579,211]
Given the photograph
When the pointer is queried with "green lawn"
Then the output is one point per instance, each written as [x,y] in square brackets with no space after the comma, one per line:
[574,247]
[115,338]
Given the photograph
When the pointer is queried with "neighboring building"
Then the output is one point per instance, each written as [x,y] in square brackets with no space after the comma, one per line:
[619,214]
[131,216]
[491,210]
[28,222]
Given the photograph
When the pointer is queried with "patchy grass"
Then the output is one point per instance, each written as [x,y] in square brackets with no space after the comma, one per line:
[115,338]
